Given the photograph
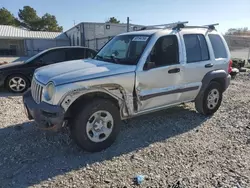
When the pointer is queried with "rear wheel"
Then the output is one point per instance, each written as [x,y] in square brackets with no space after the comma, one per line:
[96,126]
[17,83]
[210,102]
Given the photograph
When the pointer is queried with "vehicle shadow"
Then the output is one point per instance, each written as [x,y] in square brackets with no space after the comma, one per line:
[29,155]
[5,93]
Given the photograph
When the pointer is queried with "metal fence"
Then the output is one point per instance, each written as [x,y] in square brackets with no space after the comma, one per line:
[97,43]
[239,46]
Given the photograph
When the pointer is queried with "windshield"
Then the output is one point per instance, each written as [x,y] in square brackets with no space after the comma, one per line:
[124,49]
[35,56]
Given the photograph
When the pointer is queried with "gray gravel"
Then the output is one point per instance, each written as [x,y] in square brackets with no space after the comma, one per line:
[173,148]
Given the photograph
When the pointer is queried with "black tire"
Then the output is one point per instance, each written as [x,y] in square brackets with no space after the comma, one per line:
[79,124]
[201,102]
[25,80]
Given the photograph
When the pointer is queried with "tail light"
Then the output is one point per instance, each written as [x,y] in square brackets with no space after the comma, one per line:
[230,64]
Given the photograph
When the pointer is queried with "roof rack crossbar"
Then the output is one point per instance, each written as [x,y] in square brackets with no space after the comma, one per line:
[211,26]
[165,26]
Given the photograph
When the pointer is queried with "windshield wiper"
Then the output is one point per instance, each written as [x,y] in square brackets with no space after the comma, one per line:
[115,60]
[108,58]
[99,57]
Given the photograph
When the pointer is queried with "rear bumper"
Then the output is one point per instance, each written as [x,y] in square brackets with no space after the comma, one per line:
[227,81]
[45,115]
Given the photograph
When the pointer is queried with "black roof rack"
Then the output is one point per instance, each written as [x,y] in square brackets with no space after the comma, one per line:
[212,26]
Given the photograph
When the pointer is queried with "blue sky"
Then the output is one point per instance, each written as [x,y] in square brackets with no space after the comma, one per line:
[229,13]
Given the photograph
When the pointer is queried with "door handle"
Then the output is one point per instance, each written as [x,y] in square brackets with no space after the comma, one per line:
[176,70]
[209,65]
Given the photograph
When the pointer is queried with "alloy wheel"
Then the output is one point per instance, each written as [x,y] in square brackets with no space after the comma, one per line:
[17,84]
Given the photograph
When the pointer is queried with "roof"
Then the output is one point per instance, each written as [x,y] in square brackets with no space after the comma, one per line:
[11,32]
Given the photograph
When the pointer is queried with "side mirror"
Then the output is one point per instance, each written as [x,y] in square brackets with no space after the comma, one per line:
[248,60]
[149,65]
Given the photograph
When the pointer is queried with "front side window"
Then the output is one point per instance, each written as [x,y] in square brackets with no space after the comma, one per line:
[123,49]
[196,48]
[165,51]
[218,46]
[35,57]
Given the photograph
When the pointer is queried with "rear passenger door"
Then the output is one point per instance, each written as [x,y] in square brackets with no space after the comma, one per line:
[197,63]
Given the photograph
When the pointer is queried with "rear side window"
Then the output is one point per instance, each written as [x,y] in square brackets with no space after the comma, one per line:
[196,48]
[218,46]
[90,54]
[75,53]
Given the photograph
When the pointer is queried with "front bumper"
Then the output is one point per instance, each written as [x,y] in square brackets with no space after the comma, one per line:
[45,115]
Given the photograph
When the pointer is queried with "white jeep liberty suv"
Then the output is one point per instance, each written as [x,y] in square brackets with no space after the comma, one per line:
[134,73]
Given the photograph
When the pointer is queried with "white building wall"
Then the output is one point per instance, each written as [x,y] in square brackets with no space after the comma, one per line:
[74,35]
[34,46]
[96,30]
[95,35]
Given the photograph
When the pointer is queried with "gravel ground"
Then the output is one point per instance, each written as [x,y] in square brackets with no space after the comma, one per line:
[173,148]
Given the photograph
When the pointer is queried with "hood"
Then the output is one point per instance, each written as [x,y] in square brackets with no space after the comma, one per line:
[77,70]
[11,65]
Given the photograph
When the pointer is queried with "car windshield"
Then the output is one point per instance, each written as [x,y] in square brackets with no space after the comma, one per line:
[123,49]
[35,56]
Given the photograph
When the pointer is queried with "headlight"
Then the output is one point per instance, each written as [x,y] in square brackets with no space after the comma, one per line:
[49,91]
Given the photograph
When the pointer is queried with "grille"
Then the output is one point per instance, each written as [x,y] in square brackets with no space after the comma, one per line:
[36,91]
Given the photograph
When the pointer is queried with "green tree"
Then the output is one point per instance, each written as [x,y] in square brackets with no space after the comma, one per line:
[6,18]
[49,23]
[30,20]
[113,20]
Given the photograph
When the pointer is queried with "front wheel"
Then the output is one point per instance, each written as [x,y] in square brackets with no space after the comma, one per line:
[97,125]
[17,83]
[210,102]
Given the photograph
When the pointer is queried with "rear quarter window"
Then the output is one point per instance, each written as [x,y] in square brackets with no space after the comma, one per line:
[218,46]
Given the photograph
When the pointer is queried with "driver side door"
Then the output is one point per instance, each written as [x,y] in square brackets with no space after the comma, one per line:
[159,83]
